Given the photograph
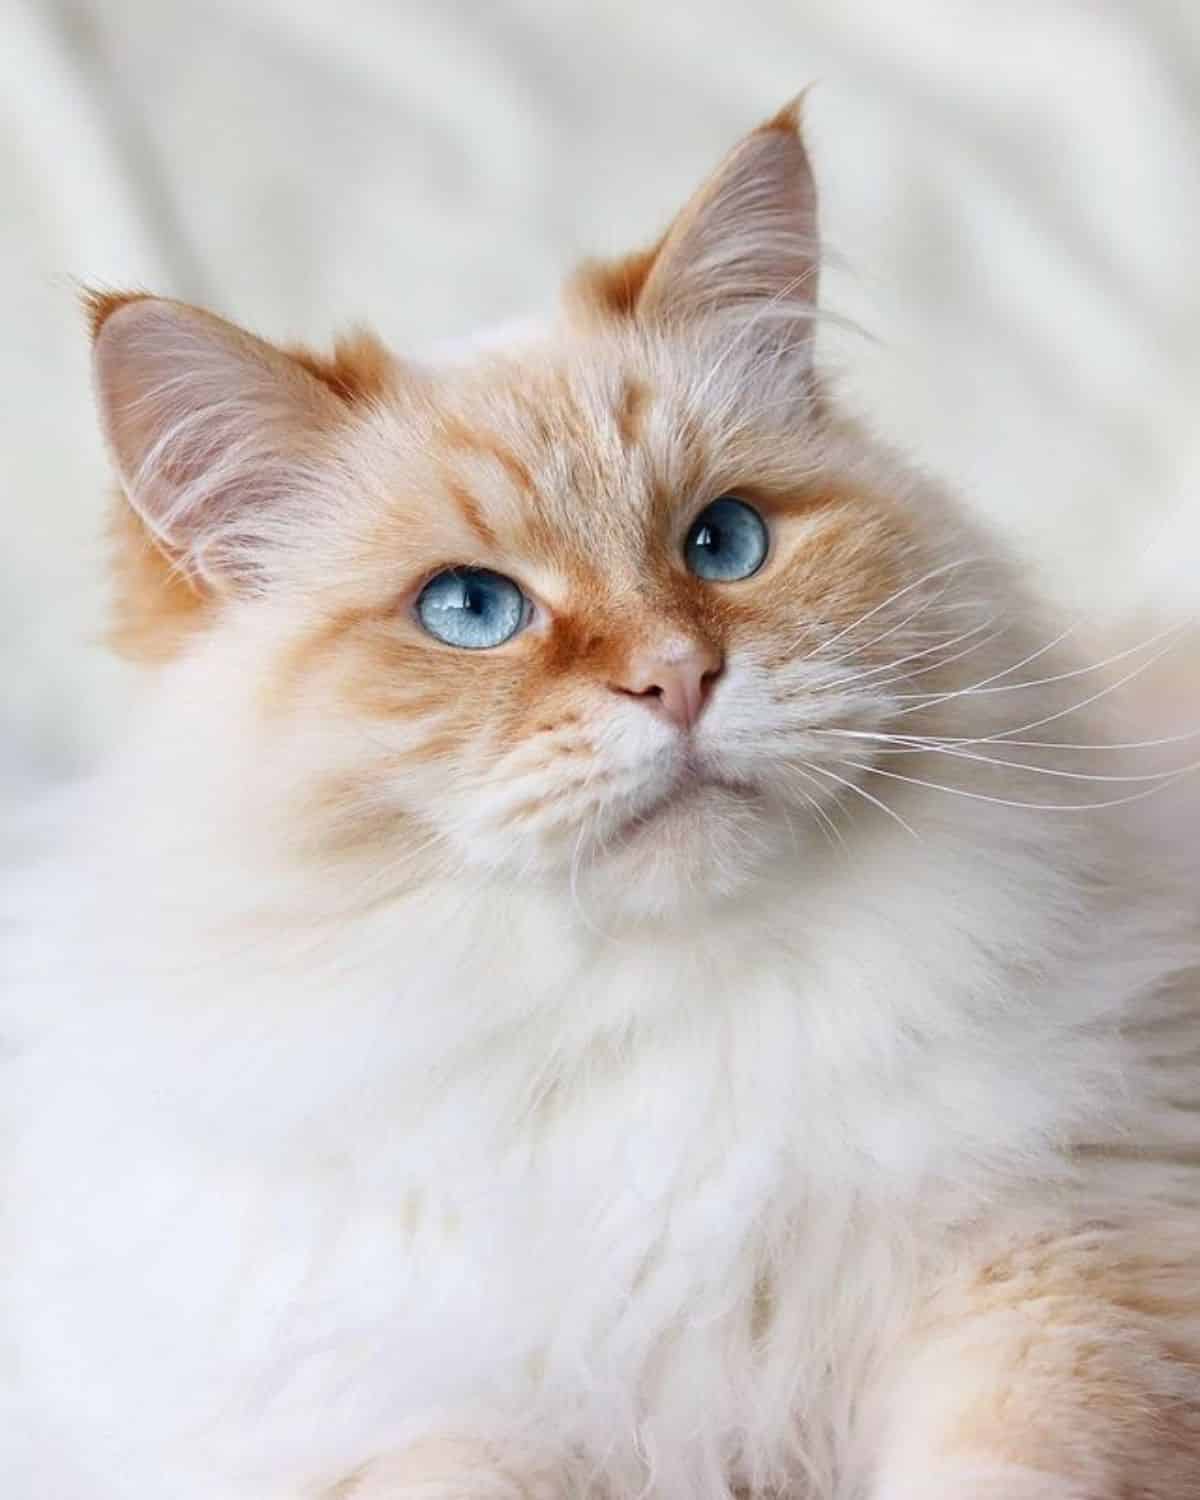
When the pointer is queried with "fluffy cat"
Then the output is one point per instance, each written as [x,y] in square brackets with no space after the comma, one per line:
[614,960]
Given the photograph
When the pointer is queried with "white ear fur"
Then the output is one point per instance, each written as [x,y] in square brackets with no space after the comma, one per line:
[211,429]
[747,241]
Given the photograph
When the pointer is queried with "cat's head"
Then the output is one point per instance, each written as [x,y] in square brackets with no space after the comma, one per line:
[592,607]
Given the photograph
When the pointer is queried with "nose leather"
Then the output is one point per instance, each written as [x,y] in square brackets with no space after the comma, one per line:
[673,680]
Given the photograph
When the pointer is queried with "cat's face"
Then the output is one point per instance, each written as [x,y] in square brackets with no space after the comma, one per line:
[585,610]
[586,625]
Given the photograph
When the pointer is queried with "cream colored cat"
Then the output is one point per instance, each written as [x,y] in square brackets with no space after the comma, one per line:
[615,959]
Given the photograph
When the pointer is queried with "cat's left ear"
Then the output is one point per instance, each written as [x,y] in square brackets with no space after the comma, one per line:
[744,244]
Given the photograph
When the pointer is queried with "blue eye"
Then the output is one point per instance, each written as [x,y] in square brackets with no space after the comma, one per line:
[728,540]
[472,608]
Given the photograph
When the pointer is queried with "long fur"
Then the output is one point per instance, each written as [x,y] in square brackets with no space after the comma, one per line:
[397,1101]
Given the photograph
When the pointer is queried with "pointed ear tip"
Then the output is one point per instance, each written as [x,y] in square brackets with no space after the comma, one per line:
[790,119]
[99,304]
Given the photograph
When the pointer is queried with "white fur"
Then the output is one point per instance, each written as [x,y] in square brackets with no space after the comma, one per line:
[616,1186]
[286,1186]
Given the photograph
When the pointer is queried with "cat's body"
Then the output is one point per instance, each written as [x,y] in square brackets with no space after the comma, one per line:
[439,1073]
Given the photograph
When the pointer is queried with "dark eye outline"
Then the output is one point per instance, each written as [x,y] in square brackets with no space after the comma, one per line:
[758,515]
[526,618]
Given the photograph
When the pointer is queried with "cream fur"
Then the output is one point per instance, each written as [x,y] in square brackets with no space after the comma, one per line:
[667,1173]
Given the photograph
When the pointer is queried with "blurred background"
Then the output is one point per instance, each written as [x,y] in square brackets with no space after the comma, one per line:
[1011,189]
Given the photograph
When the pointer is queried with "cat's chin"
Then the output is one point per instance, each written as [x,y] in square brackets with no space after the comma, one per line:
[703,842]
[685,812]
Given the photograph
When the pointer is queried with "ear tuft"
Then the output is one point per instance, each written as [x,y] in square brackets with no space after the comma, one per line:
[790,119]
[99,305]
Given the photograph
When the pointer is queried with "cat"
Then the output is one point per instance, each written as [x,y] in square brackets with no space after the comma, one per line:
[613,960]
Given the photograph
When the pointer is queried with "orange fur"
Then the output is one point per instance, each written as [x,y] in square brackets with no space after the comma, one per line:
[156,609]
[495,487]
[601,290]
[631,414]
[359,369]
[99,306]
[1072,1353]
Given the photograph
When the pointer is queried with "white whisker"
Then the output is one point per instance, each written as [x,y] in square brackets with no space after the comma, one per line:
[860,650]
[956,791]
[870,674]
[889,601]
[993,684]
[1103,692]
[1015,765]
[819,811]
[919,741]
[864,794]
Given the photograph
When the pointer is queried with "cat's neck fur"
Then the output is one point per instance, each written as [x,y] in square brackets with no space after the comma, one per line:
[905,967]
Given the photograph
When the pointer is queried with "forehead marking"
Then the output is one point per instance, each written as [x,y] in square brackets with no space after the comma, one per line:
[631,411]
[460,436]
[471,512]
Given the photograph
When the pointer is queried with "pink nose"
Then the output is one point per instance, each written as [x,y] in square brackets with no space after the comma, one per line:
[673,681]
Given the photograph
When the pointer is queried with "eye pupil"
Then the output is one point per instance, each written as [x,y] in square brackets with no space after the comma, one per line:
[728,541]
[472,608]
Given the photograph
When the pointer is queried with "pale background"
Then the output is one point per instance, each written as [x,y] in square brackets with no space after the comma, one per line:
[1013,188]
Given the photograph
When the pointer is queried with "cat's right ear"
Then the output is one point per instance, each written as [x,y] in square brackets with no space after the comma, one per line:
[744,248]
[212,432]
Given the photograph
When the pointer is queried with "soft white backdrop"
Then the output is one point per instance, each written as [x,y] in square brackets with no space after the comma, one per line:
[1012,188]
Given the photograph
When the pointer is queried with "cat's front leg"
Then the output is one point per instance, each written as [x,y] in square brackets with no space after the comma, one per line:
[456,1468]
[1064,1368]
